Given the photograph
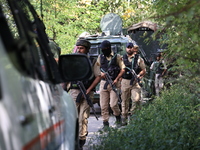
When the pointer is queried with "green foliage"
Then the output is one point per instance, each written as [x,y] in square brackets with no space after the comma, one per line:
[180,22]
[66,20]
[170,122]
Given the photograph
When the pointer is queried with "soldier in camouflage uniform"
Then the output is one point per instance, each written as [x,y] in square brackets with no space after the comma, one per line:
[159,68]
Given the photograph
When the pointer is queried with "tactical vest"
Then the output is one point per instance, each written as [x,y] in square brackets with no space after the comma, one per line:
[110,66]
[86,83]
[128,74]
[159,69]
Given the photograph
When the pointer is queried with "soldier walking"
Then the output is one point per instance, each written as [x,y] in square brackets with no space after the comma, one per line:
[83,108]
[130,88]
[159,68]
[112,65]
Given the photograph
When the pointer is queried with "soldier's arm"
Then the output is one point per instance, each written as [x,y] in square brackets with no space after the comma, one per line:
[152,66]
[97,73]
[94,84]
[165,68]
[142,73]
[122,67]
[119,76]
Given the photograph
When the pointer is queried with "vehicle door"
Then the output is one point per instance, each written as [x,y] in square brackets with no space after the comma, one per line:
[50,89]
[28,99]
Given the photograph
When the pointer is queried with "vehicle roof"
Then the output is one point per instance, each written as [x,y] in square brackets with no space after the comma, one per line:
[112,39]
[148,24]
[111,22]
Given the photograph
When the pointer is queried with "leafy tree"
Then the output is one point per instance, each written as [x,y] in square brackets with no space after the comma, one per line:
[179,25]
[66,20]
[180,22]
[169,122]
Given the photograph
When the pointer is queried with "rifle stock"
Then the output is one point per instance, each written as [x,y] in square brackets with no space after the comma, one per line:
[83,91]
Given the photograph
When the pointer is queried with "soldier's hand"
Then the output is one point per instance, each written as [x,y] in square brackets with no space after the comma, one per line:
[87,91]
[139,76]
[115,81]
[159,76]
[103,75]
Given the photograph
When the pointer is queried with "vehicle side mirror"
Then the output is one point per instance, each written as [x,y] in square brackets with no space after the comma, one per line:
[75,67]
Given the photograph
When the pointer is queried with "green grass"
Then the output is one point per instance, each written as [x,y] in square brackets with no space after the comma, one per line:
[170,122]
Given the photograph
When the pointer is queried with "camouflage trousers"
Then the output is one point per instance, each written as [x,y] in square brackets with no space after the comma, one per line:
[130,92]
[83,110]
[108,98]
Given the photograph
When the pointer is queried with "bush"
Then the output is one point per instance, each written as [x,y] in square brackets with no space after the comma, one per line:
[169,122]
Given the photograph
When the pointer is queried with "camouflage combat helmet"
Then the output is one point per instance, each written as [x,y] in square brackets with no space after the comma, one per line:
[83,42]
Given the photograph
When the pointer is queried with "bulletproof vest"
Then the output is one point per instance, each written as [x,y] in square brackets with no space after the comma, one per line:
[86,83]
[110,66]
[159,69]
[128,74]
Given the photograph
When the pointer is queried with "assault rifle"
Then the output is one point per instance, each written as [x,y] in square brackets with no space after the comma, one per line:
[110,81]
[83,92]
[134,76]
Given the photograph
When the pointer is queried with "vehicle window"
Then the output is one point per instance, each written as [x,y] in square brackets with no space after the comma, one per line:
[94,50]
[10,19]
[25,52]
[42,68]
[114,48]
[13,41]
[0,91]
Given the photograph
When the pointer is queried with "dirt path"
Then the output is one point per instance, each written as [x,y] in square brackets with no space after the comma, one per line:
[94,126]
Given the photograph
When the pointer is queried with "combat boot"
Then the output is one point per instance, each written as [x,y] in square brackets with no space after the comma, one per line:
[118,121]
[124,121]
[81,143]
[105,125]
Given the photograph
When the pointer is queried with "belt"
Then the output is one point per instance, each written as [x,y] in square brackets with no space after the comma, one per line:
[74,87]
[127,78]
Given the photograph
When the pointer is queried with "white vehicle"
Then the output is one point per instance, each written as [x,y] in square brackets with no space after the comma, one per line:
[35,112]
